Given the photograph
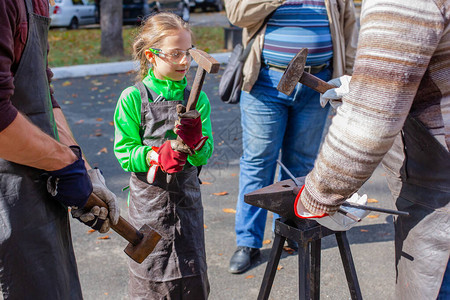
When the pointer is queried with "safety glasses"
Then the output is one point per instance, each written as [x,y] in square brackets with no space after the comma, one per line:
[174,56]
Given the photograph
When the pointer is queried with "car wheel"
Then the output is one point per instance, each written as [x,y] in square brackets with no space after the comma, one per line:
[185,13]
[73,23]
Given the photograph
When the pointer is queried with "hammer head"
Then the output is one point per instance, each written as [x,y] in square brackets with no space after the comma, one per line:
[140,251]
[205,61]
[293,73]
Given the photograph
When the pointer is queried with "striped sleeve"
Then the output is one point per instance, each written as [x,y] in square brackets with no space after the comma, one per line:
[397,44]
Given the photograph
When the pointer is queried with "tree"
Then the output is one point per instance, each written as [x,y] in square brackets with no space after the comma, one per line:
[111,20]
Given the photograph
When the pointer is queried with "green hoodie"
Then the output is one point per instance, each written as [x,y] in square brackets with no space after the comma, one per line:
[128,147]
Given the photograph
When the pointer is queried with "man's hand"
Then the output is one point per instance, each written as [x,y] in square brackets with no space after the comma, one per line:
[96,217]
[336,221]
[340,222]
[70,185]
[335,95]
[189,128]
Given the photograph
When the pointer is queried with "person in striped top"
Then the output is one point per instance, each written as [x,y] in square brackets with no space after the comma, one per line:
[271,121]
[397,111]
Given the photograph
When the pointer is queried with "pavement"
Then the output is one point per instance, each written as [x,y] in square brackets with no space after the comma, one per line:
[88,96]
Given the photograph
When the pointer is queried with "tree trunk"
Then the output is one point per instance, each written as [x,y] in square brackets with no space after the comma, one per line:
[111,26]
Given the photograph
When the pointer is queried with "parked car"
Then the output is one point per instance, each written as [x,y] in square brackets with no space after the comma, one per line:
[135,11]
[217,5]
[73,13]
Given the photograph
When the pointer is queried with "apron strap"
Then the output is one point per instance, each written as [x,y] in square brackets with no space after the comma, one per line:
[29,5]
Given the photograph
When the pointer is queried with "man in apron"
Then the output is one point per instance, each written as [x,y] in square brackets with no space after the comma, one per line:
[40,175]
[396,109]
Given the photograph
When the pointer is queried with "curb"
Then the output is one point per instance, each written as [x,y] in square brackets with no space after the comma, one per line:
[114,68]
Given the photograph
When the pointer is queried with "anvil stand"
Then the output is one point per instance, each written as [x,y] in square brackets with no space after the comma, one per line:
[308,235]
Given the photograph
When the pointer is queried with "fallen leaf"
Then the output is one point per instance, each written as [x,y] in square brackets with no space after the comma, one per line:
[106,237]
[204,226]
[279,268]
[66,83]
[364,230]
[288,250]
[220,254]
[206,182]
[371,200]
[111,123]
[106,294]
[91,231]
[250,277]
[265,242]
[229,210]
[98,134]
[234,174]
[99,119]
[221,193]
[79,122]
[103,150]
[373,216]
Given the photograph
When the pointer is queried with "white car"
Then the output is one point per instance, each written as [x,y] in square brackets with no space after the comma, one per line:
[73,13]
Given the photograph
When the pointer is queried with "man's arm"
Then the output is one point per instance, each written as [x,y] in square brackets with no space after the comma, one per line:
[24,143]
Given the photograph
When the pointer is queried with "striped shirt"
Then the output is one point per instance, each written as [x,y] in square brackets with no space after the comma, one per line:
[296,25]
[402,66]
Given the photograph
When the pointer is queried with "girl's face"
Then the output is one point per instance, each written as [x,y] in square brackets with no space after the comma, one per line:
[171,61]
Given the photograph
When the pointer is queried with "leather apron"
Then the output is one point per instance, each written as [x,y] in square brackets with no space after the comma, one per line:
[36,254]
[418,174]
[173,209]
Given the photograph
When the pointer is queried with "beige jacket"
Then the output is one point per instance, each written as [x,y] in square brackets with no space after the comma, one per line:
[250,15]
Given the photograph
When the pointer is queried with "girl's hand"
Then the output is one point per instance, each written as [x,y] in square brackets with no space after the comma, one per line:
[189,128]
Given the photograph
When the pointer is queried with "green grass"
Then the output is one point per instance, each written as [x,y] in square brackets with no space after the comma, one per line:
[82,46]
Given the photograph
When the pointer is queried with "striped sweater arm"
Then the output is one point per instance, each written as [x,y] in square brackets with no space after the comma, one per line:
[397,40]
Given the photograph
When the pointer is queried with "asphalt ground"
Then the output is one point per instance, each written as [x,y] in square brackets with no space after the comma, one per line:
[89,103]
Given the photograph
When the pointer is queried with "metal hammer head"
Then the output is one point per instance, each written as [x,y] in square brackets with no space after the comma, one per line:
[293,73]
[141,250]
[205,61]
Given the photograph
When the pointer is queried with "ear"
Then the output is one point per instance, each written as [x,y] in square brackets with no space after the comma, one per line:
[150,56]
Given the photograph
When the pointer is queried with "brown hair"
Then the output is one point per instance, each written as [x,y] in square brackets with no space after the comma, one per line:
[151,33]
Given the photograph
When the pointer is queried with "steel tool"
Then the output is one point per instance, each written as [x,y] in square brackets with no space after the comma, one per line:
[295,73]
[142,241]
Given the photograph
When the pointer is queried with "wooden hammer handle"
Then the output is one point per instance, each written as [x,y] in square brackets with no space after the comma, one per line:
[315,83]
[125,229]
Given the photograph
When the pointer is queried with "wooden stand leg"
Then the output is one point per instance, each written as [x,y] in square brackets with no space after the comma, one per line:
[316,248]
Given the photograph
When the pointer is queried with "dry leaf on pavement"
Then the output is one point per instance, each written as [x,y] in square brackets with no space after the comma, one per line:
[106,237]
[279,268]
[265,242]
[373,216]
[372,200]
[220,193]
[250,277]
[91,231]
[206,182]
[229,210]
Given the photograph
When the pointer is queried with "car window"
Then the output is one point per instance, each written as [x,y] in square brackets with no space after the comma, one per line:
[77,2]
[131,1]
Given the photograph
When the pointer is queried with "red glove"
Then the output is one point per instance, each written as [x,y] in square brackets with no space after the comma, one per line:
[189,128]
[300,210]
[170,157]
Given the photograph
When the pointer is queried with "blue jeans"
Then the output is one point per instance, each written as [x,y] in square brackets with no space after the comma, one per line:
[274,124]
[444,293]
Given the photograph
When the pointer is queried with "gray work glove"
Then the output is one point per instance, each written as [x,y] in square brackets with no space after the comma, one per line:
[334,96]
[97,216]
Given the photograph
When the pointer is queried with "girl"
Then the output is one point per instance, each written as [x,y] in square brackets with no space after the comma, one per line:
[145,138]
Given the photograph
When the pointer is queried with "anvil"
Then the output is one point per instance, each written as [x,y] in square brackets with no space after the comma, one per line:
[278,197]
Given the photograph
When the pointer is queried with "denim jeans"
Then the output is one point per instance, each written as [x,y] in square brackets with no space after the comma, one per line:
[275,126]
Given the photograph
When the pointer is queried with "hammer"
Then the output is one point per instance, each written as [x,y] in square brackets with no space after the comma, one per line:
[295,72]
[206,64]
[141,242]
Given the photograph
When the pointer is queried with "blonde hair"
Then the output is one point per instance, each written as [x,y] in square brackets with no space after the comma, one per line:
[151,33]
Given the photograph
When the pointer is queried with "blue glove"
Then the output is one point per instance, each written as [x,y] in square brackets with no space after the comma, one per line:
[71,185]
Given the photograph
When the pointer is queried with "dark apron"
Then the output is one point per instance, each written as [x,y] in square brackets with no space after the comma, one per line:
[36,255]
[418,174]
[173,209]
